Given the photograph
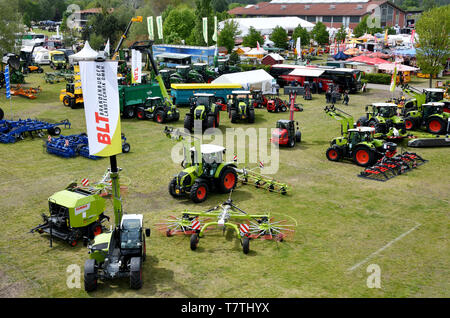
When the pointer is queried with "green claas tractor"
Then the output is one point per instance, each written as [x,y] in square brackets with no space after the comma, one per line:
[427,95]
[204,170]
[76,213]
[208,74]
[155,109]
[240,107]
[356,144]
[383,117]
[430,116]
[184,74]
[202,108]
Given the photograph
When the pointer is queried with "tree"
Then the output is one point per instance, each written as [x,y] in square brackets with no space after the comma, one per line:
[252,38]
[433,30]
[220,5]
[203,10]
[301,32]
[10,17]
[227,35]
[139,31]
[234,58]
[279,37]
[178,25]
[428,4]
[341,34]
[320,34]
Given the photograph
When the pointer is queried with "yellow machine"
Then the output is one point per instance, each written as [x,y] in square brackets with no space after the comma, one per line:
[57,59]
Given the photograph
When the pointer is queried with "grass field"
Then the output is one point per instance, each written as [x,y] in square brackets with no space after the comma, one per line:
[401,225]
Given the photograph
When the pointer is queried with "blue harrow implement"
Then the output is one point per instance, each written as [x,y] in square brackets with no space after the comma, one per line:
[75,145]
[14,130]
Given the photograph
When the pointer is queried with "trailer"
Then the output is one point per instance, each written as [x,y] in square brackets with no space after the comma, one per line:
[133,96]
[181,93]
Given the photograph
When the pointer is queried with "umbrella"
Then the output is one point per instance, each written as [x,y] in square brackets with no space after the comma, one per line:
[340,56]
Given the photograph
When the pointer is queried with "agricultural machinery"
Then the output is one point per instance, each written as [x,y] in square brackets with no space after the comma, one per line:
[15,68]
[287,132]
[208,74]
[259,100]
[14,130]
[392,164]
[2,114]
[28,66]
[384,119]
[204,171]
[227,216]
[357,144]
[76,213]
[240,107]
[224,67]
[184,74]
[430,116]
[57,60]
[202,108]
[161,109]
[427,95]
[74,145]
[28,92]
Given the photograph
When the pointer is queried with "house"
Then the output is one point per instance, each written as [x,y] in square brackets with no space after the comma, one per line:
[331,13]
[272,58]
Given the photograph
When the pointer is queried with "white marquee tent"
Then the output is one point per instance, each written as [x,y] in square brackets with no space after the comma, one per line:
[86,54]
[257,79]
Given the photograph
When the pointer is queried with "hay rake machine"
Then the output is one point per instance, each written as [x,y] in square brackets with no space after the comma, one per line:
[392,164]
[28,92]
[74,145]
[248,176]
[227,215]
[14,130]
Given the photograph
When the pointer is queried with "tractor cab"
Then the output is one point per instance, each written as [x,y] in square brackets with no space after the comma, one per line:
[131,234]
[57,59]
[153,102]
[212,157]
[204,99]
[434,94]
[361,134]
[200,67]
[385,110]
[286,133]
[433,108]
[183,70]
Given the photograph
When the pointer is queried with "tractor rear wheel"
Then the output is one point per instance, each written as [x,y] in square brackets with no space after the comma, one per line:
[246,245]
[362,121]
[129,112]
[291,142]
[160,117]
[90,275]
[363,156]
[140,113]
[333,154]
[199,192]
[136,273]
[194,241]
[436,125]
[410,123]
[251,116]
[227,180]
[188,122]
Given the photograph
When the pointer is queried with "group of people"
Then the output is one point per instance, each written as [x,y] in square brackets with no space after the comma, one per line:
[332,95]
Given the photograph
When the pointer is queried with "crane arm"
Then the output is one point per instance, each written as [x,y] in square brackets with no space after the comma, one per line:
[124,36]
[344,118]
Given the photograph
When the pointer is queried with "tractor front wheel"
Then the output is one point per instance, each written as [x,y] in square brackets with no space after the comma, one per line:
[251,116]
[188,122]
[66,101]
[227,180]
[90,275]
[199,192]
[234,116]
[409,123]
[172,188]
[363,156]
[333,154]
[298,136]
[136,273]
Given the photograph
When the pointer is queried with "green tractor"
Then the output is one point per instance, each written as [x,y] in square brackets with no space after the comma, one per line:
[383,117]
[224,67]
[76,213]
[207,73]
[155,109]
[202,108]
[203,170]
[427,95]
[430,116]
[357,144]
[15,68]
[240,107]
[184,74]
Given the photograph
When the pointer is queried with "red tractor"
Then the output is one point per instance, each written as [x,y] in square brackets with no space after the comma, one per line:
[287,132]
[276,105]
[258,99]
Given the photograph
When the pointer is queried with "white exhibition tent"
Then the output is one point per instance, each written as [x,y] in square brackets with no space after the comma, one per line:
[266,25]
[257,79]
[86,54]
[389,67]
[255,51]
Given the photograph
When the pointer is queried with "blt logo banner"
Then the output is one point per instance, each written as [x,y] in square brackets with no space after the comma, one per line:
[101,107]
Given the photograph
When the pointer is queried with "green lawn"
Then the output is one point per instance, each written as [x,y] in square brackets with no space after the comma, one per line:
[341,219]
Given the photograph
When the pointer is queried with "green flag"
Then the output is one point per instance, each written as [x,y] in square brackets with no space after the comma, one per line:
[214,37]
[151,35]
[205,30]
[159,26]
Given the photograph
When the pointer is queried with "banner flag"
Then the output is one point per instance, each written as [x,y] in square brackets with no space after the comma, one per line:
[159,26]
[151,34]
[101,107]
[214,37]
[205,30]
[136,66]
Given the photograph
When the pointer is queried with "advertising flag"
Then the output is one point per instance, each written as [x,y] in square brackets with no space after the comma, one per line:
[214,37]
[101,107]
[136,66]
[298,48]
[151,35]
[394,79]
[7,84]
[159,26]
[205,30]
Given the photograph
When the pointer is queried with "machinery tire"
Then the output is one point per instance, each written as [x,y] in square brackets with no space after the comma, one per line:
[234,116]
[160,117]
[194,241]
[126,148]
[188,122]
[436,125]
[129,112]
[199,192]
[90,275]
[410,123]
[298,136]
[217,118]
[227,180]
[66,100]
[283,108]
[55,131]
[246,245]
[291,143]
[136,273]
[140,113]
[251,116]
[40,70]
[2,114]
[211,121]
[172,187]
[362,121]
[72,103]
[372,123]
[333,154]
[363,156]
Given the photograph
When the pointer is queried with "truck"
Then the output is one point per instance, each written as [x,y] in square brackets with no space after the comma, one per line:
[181,93]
